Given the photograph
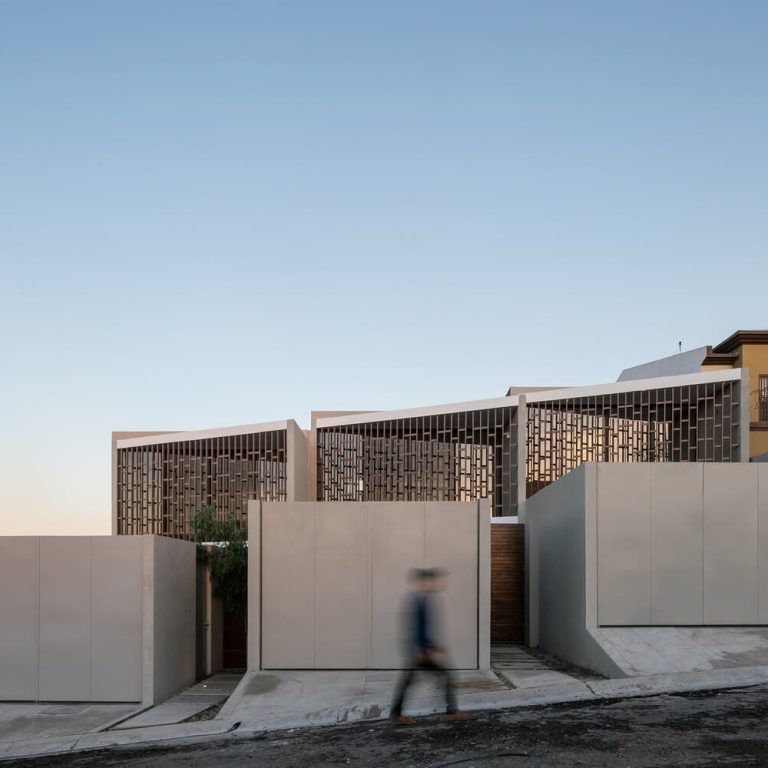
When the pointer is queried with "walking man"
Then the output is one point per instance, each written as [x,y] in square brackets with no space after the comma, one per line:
[422,652]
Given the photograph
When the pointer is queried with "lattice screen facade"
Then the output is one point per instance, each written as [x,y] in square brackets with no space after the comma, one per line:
[445,457]
[474,454]
[698,422]
[159,487]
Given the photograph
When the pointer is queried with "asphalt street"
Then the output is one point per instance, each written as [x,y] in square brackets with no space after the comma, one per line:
[712,729]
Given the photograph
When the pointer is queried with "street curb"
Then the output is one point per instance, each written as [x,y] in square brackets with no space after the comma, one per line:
[139,737]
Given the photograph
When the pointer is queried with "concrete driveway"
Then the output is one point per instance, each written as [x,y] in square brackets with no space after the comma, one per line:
[286,699]
[22,722]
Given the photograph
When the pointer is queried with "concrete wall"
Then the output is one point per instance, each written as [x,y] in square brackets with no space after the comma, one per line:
[209,626]
[173,640]
[297,453]
[95,618]
[19,607]
[331,578]
[646,545]
[682,544]
[562,571]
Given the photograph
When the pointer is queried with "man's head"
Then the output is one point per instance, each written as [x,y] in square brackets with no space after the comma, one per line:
[427,579]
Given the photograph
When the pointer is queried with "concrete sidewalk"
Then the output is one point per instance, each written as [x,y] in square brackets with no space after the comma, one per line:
[277,700]
[268,701]
[27,721]
[274,700]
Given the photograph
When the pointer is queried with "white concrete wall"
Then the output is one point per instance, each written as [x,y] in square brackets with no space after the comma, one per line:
[645,545]
[341,587]
[762,543]
[173,638]
[562,575]
[95,618]
[331,578]
[64,652]
[287,585]
[19,609]
[624,543]
[681,544]
[677,540]
[116,600]
[297,456]
[731,546]
[209,625]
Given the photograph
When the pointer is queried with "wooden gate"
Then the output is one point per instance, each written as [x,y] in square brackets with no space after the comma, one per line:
[507,582]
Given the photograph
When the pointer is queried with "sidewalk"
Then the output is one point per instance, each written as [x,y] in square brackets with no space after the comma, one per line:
[268,701]
[26,721]
[278,700]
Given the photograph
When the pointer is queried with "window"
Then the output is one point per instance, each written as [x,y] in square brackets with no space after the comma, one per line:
[762,398]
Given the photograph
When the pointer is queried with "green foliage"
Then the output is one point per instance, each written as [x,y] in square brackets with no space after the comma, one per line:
[222,545]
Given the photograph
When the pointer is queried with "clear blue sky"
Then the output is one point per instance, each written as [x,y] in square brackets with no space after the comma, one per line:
[228,212]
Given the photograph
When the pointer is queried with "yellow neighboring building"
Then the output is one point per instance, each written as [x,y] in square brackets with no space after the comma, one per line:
[747,349]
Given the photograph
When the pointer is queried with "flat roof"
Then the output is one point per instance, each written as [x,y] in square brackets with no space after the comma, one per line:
[637,385]
[678,364]
[427,410]
[203,434]
[513,401]
[567,393]
[524,390]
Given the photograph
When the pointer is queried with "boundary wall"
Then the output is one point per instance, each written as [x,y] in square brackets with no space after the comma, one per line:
[327,581]
[639,545]
[96,618]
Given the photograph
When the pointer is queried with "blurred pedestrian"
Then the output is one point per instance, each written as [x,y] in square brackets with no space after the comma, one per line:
[423,652]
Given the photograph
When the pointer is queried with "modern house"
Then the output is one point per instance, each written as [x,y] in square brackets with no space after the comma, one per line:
[504,449]
[564,515]
[500,451]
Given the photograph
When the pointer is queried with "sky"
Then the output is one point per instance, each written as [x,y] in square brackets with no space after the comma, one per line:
[219,213]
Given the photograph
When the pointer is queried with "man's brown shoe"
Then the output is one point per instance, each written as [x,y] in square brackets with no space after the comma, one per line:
[457,715]
[402,720]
